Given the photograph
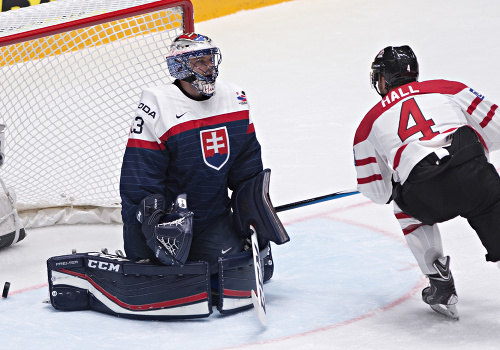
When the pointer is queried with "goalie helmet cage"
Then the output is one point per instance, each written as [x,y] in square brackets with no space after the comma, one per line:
[72,75]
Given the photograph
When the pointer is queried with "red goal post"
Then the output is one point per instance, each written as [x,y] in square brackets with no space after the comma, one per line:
[72,74]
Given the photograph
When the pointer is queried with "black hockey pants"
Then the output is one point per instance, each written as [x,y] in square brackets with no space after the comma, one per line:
[464,184]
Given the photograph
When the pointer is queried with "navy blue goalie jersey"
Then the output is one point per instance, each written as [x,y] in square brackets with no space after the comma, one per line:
[179,145]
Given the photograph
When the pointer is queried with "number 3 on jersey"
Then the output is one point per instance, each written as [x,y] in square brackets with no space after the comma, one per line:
[411,112]
[138,126]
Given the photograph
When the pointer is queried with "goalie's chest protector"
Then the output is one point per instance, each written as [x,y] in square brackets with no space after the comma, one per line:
[202,138]
[206,134]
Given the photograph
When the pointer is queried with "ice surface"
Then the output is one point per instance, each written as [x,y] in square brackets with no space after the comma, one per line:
[346,280]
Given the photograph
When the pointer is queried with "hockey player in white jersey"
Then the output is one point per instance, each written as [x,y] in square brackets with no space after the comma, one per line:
[425,145]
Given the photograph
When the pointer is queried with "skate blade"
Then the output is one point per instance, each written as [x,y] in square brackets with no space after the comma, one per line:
[446,310]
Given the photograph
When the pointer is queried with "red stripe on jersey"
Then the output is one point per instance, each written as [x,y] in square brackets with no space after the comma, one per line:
[402,216]
[449,130]
[196,124]
[473,105]
[409,229]
[250,129]
[365,180]
[427,87]
[489,116]
[397,157]
[365,161]
[145,144]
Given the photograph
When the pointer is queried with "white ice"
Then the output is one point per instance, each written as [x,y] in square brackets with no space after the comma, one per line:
[347,279]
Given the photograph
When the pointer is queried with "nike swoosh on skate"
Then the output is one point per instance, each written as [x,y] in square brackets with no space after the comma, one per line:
[225,251]
[178,116]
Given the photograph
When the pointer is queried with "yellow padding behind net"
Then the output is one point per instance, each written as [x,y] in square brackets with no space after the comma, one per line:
[96,35]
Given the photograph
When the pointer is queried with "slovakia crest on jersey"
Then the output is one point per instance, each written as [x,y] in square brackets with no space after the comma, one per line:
[215,147]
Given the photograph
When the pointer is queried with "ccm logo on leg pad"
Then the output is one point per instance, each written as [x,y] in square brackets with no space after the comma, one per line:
[103,265]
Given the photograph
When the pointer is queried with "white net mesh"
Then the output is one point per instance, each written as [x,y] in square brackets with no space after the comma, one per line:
[68,98]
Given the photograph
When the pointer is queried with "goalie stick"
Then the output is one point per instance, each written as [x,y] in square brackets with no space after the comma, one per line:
[258,299]
[315,200]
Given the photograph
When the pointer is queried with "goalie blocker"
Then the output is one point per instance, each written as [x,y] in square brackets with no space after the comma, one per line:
[252,206]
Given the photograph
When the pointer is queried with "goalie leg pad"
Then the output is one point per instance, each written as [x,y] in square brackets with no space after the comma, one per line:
[117,286]
[268,264]
[10,238]
[237,280]
[252,206]
[11,227]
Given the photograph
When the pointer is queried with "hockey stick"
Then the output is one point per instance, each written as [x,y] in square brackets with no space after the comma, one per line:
[315,200]
[258,299]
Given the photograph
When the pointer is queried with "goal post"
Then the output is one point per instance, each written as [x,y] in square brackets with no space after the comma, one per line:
[72,74]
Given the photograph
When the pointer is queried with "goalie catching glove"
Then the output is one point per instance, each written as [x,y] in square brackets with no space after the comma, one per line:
[168,234]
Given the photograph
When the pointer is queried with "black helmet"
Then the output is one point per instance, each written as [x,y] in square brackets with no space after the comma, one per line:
[397,64]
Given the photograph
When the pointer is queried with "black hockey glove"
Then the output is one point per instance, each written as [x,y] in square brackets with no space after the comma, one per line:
[169,235]
[252,206]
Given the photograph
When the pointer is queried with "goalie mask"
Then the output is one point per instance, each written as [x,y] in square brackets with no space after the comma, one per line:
[193,57]
[397,64]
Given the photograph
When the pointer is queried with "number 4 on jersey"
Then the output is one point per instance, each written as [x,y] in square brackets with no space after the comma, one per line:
[410,109]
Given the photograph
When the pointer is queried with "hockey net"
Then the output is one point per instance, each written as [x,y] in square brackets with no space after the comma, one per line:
[72,74]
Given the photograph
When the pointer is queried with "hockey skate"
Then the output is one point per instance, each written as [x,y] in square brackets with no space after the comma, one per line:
[441,294]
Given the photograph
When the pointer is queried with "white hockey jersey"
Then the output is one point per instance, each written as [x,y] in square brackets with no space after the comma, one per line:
[411,122]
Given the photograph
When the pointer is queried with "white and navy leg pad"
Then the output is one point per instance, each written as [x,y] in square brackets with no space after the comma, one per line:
[237,280]
[118,286]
